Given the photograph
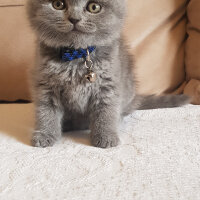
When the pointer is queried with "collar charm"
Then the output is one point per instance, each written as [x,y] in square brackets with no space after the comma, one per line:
[91,75]
[69,54]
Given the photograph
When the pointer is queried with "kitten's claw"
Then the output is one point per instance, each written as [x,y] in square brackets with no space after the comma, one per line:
[105,141]
[42,141]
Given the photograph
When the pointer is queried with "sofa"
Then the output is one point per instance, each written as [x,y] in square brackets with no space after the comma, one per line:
[158,157]
[163,39]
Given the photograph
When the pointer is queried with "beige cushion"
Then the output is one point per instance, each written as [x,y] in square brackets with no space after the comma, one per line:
[155,29]
[193,89]
[192,58]
[16,51]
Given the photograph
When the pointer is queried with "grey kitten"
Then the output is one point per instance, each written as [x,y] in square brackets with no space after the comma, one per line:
[64,98]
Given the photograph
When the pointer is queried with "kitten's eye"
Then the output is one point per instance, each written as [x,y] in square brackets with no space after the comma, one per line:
[58,5]
[94,8]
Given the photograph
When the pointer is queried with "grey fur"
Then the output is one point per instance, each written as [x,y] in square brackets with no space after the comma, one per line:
[64,99]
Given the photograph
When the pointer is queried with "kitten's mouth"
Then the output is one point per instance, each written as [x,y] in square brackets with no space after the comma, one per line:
[83,29]
[76,30]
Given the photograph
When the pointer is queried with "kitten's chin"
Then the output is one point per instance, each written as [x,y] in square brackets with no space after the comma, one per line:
[75,31]
[87,28]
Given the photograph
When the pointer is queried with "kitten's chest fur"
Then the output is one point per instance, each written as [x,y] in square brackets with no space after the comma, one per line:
[77,94]
[68,84]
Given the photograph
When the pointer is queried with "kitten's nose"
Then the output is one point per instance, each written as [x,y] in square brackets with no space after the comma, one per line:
[73,21]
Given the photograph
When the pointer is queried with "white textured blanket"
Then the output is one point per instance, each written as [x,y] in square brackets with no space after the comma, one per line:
[159,159]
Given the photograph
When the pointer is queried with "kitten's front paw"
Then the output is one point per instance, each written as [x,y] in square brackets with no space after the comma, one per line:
[105,141]
[42,140]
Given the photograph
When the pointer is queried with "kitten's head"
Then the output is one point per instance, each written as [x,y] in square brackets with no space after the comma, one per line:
[77,23]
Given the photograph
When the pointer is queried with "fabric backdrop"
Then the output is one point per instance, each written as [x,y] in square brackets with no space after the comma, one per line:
[155,30]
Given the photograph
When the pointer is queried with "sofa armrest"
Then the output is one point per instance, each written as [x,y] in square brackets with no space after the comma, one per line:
[192,56]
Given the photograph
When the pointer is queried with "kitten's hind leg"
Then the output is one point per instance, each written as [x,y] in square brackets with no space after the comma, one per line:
[76,122]
[67,125]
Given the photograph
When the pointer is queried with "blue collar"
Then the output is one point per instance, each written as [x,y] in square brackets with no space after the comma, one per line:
[69,54]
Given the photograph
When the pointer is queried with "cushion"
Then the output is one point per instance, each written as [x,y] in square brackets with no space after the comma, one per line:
[192,58]
[155,29]
[16,51]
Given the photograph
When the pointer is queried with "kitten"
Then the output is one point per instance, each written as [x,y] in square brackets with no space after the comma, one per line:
[65,100]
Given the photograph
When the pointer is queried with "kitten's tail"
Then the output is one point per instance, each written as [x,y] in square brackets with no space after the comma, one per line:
[154,102]
[168,101]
